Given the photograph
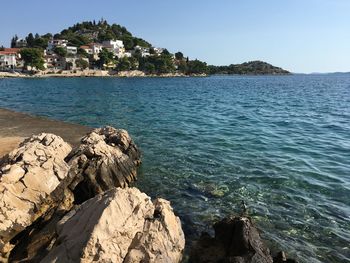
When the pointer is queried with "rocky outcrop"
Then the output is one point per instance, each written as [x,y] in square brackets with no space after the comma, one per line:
[236,241]
[121,225]
[106,158]
[63,205]
[29,184]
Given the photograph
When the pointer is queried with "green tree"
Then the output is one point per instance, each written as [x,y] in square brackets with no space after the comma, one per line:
[123,64]
[179,55]
[61,51]
[128,42]
[82,63]
[105,58]
[182,67]
[149,68]
[33,57]
[81,52]
[14,41]
[30,40]
[197,67]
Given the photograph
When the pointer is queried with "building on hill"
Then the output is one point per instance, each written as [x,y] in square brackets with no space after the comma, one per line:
[10,58]
[87,49]
[52,43]
[71,50]
[158,50]
[21,42]
[115,46]
[144,51]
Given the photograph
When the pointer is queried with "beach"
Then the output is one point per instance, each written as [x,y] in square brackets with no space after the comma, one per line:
[15,127]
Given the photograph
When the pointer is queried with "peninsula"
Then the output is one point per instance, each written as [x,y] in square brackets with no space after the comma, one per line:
[99,49]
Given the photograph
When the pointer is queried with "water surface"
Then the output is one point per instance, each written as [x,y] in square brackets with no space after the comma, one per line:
[281,144]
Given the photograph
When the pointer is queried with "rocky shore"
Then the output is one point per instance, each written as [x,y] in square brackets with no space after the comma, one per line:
[74,202]
[92,73]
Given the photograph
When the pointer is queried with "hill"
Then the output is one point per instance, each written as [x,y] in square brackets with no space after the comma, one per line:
[248,68]
[87,41]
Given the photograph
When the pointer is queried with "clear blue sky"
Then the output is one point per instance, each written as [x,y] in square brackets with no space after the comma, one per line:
[299,35]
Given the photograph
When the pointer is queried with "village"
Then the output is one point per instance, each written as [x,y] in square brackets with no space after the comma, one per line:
[59,55]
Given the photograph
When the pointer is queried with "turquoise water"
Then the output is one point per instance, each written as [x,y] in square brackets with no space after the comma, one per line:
[281,144]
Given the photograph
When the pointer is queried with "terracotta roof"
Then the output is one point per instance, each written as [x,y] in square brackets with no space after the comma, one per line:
[7,53]
[84,47]
[13,50]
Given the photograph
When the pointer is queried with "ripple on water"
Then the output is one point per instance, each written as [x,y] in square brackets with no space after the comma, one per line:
[282,144]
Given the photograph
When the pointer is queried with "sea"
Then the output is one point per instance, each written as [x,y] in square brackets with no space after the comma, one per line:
[278,144]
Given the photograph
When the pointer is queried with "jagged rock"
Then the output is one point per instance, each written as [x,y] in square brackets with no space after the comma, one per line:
[106,158]
[281,257]
[121,225]
[30,177]
[236,241]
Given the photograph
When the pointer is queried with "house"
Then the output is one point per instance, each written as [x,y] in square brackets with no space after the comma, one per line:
[56,43]
[96,48]
[144,51]
[21,42]
[71,63]
[158,50]
[115,46]
[71,50]
[10,58]
[54,62]
[87,49]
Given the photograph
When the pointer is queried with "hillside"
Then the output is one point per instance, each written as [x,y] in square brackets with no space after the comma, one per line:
[248,68]
[87,41]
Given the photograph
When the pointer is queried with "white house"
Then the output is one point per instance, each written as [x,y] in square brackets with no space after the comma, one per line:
[115,44]
[21,42]
[71,50]
[87,49]
[56,43]
[144,51]
[96,48]
[9,58]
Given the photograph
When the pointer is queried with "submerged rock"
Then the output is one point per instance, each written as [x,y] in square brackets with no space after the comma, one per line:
[30,179]
[122,225]
[236,241]
[106,158]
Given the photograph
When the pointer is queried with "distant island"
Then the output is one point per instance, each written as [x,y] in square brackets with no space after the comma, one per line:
[90,47]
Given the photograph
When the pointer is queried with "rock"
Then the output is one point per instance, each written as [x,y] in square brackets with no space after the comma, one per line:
[106,158]
[30,177]
[236,241]
[121,225]
[281,257]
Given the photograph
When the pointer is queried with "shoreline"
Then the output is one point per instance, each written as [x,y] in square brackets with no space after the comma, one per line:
[17,126]
[94,73]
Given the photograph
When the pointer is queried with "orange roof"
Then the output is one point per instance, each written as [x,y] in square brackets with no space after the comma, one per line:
[7,53]
[84,47]
[12,50]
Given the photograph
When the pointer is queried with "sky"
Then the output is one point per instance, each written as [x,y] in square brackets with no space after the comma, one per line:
[302,36]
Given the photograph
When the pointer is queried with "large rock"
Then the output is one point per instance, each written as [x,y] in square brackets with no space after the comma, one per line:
[121,225]
[30,177]
[236,241]
[106,158]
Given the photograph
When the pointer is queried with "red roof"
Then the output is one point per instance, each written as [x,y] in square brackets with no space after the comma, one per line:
[7,53]
[12,50]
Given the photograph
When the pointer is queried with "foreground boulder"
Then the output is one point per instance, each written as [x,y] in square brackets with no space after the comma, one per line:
[106,158]
[236,241]
[121,225]
[30,177]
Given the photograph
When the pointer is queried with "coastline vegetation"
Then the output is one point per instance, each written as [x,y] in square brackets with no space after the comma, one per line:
[141,56]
